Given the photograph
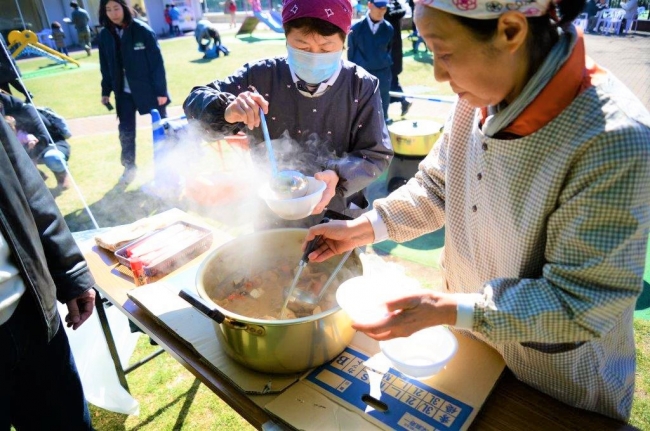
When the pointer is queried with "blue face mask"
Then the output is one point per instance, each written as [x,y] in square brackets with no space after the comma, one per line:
[313,68]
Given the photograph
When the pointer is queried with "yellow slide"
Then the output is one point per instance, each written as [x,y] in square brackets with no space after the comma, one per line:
[26,41]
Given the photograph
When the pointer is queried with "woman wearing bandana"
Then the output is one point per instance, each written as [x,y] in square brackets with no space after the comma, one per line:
[540,179]
[329,108]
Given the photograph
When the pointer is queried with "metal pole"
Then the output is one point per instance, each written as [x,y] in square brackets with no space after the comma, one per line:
[20,12]
[441,99]
[110,341]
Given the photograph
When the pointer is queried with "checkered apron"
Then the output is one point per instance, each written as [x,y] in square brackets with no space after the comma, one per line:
[552,229]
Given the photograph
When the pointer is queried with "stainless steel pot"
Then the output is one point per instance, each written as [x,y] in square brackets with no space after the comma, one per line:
[271,346]
[414,138]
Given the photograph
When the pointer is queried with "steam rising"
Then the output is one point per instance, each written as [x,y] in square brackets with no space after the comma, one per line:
[220,179]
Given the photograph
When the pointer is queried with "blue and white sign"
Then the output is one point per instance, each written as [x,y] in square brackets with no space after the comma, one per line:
[397,401]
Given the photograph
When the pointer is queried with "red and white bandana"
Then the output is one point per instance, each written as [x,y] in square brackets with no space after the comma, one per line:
[488,9]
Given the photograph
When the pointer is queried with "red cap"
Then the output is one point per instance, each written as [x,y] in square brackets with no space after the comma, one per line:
[337,12]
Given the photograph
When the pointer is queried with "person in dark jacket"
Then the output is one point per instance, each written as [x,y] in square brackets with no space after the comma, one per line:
[132,68]
[55,153]
[370,45]
[81,20]
[323,112]
[206,33]
[10,73]
[394,15]
[41,264]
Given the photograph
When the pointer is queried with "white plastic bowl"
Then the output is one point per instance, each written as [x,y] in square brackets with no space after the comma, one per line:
[294,209]
[422,354]
[364,298]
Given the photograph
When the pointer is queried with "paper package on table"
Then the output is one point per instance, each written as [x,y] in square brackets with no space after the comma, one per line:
[117,237]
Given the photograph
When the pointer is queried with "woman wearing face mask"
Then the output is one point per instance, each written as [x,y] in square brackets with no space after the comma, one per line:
[132,68]
[540,178]
[330,108]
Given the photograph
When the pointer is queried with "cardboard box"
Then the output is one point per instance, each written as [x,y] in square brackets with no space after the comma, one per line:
[356,390]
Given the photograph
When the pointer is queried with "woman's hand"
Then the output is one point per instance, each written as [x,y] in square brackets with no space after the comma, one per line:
[105,100]
[412,313]
[162,100]
[246,109]
[331,180]
[339,236]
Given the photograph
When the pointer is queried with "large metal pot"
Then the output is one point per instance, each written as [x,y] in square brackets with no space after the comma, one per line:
[414,138]
[272,346]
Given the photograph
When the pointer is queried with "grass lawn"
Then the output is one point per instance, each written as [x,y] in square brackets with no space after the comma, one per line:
[170,397]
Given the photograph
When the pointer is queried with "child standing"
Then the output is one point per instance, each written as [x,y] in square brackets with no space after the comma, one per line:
[59,38]
[230,8]
[369,45]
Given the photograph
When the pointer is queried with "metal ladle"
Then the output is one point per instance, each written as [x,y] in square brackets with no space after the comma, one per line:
[304,260]
[289,185]
[306,301]
[284,184]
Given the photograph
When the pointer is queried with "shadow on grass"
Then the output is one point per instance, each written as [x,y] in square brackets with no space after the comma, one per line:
[189,398]
[116,421]
[253,39]
[419,56]
[203,60]
[643,302]
[118,207]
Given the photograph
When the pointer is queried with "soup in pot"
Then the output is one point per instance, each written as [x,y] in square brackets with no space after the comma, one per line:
[258,292]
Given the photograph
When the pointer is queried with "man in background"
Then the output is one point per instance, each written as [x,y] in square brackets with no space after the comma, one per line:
[206,33]
[175,15]
[54,154]
[394,15]
[81,21]
[168,18]
[369,45]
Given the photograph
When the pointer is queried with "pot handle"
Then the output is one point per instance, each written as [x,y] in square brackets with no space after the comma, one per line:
[202,306]
[218,316]
[311,246]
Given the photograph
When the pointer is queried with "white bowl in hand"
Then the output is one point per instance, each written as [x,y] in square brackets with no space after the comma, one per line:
[364,298]
[297,208]
[423,353]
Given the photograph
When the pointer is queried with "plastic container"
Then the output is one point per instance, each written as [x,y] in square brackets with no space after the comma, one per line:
[364,298]
[422,354]
[294,209]
[179,252]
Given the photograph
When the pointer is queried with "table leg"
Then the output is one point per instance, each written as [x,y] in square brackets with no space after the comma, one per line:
[110,341]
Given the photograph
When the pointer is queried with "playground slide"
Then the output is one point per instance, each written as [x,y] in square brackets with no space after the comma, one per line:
[270,21]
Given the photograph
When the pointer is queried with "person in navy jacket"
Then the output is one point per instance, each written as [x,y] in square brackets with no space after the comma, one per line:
[369,45]
[132,67]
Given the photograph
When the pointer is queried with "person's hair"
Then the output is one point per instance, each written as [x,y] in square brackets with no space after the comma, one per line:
[313,25]
[542,30]
[56,24]
[74,4]
[103,17]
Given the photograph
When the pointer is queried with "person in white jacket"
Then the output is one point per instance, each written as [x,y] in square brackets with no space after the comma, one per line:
[630,13]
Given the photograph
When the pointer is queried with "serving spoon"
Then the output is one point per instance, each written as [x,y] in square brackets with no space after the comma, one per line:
[308,302]
[285,184]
